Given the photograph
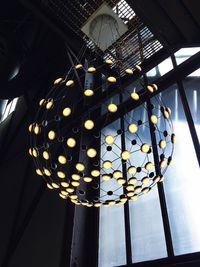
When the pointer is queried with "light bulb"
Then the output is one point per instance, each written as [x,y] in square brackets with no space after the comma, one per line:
[144,148]
[109,139]
[111,79]
[112,108]
[69,83]
[132,128]
[71,142]
[125,155]
[51,135]
[57,81]
[61,174]
[62,159]
[67,111]
[80,167]
[89,124]
[88,92]
[91,152]
[107,164]
[135,96]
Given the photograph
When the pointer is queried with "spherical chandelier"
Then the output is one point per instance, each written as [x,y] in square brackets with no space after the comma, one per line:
[87,144]
[82,157]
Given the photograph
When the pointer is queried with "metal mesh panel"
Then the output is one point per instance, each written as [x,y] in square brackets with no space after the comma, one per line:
[73,14]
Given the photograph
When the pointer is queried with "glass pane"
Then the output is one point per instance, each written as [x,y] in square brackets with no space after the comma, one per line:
[112,251]
[191,86]
[185,53]
[161,69]
[112,237]
[182,183]
[147,234]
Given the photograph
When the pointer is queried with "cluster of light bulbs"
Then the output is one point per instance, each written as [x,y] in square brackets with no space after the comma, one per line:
[56,151]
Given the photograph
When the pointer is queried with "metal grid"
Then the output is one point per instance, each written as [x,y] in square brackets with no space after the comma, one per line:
[73,14]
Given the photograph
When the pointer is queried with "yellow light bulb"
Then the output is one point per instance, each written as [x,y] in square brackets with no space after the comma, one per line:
[62,196]
[148,166]
[125,155]
[69,83]
[130,187]
[138,189]
[61,174]
[135,96]
[111,79]
[75,183]
[117,174]
[62,159]
[107,164]
[39,172]
[36,129]
[91,152]
[154,119]
[95,173]
[76,177]
[166,114]
[70,190]
[108,61]
[155,86]
[132,128]
[156,179]
[144,148]
[109,139]
[150,88]
[87,179]
[134,198]
[97,205]
[57,81]
[162,144]
[51,135]
[91,69]
[64,184]
[132,180]
[112,108]
[89,124]
[30,127]
[145,190]
[55,185]
[121,180]
[130,193]
[49,104]
[129,71]
[49,186]
[138,67]
[88,92]
[45,155]
[106,177]
[41,102]
[78,66]
[80,167]
[35,153]
[163,163]
[64,193]
[47,172]
[132,170]
[145,180]
[67,111]
[71,142]
[173,138]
